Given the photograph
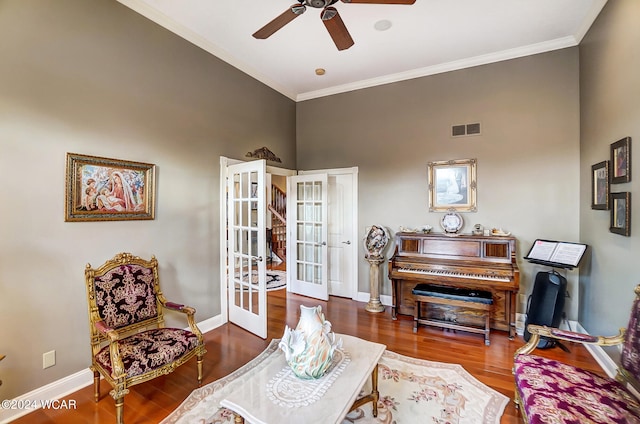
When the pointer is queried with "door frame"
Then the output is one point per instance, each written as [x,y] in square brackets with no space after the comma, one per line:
[354,247]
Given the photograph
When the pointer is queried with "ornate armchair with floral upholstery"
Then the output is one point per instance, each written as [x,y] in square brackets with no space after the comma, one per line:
[551,391]
[129,341]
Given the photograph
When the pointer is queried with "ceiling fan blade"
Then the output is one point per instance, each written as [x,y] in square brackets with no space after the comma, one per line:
[381,1]
[280,21]
[336,27]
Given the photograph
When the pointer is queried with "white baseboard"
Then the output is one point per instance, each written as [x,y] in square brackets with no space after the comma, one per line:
[72,383]
[386,300]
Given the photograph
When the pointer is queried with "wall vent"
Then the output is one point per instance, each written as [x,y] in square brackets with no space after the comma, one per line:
[463,130]
[458,130]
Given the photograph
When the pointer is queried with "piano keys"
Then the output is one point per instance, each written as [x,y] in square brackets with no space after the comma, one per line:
[465,261]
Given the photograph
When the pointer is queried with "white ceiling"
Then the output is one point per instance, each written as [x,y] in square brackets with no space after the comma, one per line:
[428,37]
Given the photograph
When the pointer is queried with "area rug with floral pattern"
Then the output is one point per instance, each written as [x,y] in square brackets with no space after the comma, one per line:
[411,391]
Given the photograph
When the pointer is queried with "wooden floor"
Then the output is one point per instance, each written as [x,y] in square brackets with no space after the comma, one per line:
[229,347]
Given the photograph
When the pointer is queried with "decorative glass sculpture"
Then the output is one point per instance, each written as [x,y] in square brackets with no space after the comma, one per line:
[310,347]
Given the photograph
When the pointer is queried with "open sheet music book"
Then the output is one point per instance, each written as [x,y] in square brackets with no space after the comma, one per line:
[556,253]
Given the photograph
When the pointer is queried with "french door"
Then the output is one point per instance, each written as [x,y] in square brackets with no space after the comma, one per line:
[246,281]
[307,235]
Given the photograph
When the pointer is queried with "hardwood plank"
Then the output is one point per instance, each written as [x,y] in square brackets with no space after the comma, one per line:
[229,347]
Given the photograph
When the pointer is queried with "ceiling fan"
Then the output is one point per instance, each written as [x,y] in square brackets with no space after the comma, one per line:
[329,15]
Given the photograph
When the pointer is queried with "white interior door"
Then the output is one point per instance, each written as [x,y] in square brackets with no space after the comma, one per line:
[246,232]
[307,235]
[342,235]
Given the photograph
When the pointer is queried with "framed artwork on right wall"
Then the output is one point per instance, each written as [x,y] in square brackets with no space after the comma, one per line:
[621,213]
[600,185]
[621,161]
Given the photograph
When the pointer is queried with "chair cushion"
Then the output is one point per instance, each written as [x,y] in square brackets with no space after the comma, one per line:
[554,392]
[125,295]
[149,350]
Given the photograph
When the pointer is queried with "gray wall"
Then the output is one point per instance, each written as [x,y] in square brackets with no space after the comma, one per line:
[528,154]
[94,77]
[610,110]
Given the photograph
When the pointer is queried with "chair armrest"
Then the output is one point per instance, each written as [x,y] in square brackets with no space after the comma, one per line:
[117,367]
[102,327]
[179,307]
[189,311]
[538,331]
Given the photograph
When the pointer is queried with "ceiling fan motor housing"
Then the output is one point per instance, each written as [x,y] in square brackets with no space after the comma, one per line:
[319,3]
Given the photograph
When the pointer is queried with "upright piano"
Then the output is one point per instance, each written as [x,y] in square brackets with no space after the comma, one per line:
[465,261]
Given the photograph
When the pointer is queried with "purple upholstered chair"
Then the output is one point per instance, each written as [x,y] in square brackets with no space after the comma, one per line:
[129,341]
[549,391]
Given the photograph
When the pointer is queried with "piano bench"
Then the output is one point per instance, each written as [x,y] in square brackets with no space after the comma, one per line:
[453,296]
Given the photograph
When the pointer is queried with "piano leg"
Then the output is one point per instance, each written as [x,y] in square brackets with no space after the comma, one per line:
[510,312]
[394,299]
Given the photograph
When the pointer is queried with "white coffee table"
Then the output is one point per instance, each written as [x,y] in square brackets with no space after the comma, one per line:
[270,394]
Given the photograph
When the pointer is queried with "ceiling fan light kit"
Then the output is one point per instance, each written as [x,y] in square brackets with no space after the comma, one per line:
[329,16]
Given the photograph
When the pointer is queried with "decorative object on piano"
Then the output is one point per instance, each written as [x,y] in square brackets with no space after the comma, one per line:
[375,243]
[425,229]
[600,185]
[621,161]
[621,213]
[310,347]
[451,222]
[452,185]
[478,230]
[500,232]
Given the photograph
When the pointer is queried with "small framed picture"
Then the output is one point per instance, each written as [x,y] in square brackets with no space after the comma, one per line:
[621,213]
[600,185]
[621,161]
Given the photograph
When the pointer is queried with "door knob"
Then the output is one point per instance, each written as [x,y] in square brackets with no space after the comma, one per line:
[346,242]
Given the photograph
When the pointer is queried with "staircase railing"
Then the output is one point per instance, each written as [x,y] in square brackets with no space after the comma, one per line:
[279,202]
[278,208]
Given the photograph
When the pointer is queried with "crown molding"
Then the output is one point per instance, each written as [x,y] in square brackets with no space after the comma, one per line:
[500,56]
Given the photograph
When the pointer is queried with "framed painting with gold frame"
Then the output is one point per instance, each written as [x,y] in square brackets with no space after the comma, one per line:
[452,185]
[103,189]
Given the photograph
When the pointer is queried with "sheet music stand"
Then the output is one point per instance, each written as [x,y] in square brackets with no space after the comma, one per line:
[556,254]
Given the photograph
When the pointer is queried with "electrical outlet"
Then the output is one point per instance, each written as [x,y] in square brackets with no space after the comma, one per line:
[48,359]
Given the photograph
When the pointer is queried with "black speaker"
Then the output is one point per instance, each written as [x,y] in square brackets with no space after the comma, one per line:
[546,304]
